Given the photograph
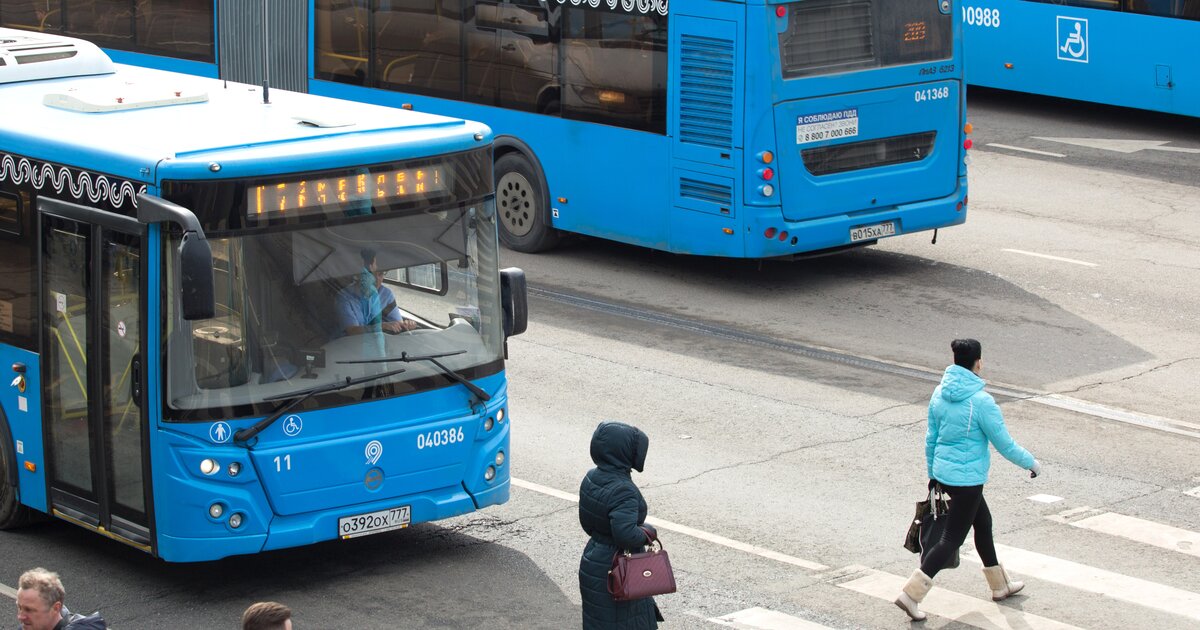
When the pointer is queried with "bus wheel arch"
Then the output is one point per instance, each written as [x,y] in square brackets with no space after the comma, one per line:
[12,513]
[522,198]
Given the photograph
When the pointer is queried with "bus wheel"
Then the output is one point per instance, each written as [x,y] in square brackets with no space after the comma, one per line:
[12,513]
[521,204]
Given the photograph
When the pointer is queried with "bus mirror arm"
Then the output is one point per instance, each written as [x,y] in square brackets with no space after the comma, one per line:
[514,297]
[195,255]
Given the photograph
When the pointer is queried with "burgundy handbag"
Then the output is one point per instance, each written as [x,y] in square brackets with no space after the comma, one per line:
[640,575]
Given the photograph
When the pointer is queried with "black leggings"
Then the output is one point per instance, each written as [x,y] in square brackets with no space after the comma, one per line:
[967,510]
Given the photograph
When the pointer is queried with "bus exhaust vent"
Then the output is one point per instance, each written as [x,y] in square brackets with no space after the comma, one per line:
[708,192]
[706,91]
[28,56]
[854,156]
[827,36]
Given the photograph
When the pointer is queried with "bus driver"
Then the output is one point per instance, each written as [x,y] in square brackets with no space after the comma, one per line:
[367,306]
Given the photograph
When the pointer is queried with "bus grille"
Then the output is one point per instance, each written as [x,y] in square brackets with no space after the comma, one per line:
[709,192]
[825,35]
[854,156]
[706,91]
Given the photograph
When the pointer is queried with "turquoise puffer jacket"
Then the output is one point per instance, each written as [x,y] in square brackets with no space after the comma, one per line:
[963,419]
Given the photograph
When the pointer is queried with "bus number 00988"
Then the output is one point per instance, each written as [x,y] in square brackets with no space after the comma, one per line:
[440,438]
[979,16]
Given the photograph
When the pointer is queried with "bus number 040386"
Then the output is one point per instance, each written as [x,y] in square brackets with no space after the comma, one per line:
[979,16]
[440,438]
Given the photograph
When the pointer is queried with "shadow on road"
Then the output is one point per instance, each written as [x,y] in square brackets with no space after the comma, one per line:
[428,576]
[871,302]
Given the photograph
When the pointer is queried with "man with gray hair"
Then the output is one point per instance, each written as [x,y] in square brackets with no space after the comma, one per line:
[40,596]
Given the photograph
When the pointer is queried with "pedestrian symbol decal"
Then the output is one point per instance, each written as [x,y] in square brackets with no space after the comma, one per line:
[1073,39]
[374,451]
[292,426]
[219,432]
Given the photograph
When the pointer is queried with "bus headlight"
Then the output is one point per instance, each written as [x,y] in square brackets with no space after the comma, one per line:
[216,510]
[234,469]
[209,466]
[487,424]
[499,458]
[235,520]
[500,415]
[490,473]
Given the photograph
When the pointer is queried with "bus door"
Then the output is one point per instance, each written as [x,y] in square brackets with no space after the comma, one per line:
[93,399]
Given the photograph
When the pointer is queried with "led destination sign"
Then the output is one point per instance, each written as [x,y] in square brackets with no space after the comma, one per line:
[381,186]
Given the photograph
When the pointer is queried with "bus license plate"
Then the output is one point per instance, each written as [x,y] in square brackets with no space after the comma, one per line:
[871,232]
[374,522]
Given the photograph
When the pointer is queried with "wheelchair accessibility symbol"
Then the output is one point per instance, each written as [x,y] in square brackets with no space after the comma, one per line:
[292,426]
[1073,39]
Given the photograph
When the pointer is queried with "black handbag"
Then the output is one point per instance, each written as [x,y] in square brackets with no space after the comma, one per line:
[927,526]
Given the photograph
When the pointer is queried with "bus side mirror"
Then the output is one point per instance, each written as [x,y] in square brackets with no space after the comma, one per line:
[195,255]
[514,297]
[196,278]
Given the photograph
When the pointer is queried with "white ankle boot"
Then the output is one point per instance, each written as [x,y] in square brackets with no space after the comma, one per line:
[1002,586]
[915,590]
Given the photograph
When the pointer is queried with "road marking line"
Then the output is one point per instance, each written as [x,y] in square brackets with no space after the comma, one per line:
[1012,148]
[763,619]
[1194,492]
[1049,257]
[950,605]
[688,531]
[1045,498]
[6,590]
[1143,531]
[1107,583]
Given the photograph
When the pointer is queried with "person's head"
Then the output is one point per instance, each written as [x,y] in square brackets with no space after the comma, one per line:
[267,616]
[619,445]
[40,596]
[368,258]
[968,354]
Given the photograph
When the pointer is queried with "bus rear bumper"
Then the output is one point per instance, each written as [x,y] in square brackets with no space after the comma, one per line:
[834,231]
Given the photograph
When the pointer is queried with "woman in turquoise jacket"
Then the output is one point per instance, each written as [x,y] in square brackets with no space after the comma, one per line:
[963,421]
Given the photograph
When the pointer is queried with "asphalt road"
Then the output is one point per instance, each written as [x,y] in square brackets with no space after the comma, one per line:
[783,479]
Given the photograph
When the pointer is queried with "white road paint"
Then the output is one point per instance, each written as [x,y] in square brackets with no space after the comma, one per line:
[1194,492]
[688,531]
[971,611]
[6,590]
[763,619]
[1120,146]
[1140,530]
[1093,580]
[1049,257]
[1023,149]
[1168,425]
[1045,498]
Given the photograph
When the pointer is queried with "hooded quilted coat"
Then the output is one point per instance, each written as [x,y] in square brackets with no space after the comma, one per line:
[963,419]
[612,512]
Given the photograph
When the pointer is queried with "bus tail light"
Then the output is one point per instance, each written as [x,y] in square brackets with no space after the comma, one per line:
[766,190]
[770,232]
[783,236]
[968,128]
[968,143]
[766,173]
[766,157]
[781,11]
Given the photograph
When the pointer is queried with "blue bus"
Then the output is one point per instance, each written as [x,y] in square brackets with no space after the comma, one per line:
[236,320]
[741,129]
[1132,53]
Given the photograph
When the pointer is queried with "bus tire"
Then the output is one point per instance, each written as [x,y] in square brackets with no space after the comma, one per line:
[522,206]
[12,513]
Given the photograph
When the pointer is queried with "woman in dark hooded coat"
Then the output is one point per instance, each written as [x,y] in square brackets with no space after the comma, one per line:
[613,512]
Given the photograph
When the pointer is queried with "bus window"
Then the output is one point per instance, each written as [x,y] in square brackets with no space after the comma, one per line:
[341,31]
[17,290]
[418,46]
[615,68]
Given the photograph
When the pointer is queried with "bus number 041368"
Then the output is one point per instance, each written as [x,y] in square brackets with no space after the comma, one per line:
[979,16]
[931,94]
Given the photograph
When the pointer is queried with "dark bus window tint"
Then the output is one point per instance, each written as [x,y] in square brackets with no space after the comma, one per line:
[1188,9]
[615,68]
[418,46]
[31,15]
[17,287]
[179,28]
[102,22]
[526,66]
[342,40]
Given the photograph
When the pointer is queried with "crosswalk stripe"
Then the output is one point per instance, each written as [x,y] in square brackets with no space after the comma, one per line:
[1085,578]
[763,619]
[1140,530]
[950,605]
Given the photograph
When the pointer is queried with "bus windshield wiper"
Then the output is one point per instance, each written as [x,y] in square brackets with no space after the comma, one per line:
[299,396]
[433,358]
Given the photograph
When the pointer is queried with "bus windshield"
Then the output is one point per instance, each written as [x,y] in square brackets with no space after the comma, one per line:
[304,306]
